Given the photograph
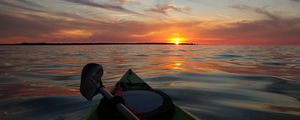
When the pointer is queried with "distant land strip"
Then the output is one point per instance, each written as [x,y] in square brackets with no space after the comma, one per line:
[100,44]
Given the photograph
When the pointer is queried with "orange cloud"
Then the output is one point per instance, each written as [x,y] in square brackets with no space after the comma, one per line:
[145,35]
[73,33]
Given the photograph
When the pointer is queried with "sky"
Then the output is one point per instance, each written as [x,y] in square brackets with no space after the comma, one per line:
[130,21]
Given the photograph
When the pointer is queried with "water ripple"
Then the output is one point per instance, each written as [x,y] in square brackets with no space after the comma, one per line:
[212,82]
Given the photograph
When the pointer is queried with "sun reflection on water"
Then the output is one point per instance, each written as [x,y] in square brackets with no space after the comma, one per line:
[176,66]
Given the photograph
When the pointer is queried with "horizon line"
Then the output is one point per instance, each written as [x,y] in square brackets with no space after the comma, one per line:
[137,43]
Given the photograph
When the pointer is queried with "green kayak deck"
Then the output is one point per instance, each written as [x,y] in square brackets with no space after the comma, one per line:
[134,81]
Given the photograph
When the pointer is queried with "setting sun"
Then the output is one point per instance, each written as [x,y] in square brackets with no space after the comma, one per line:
[176,39]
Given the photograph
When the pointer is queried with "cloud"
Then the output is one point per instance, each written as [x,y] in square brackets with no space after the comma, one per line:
[164,9]
[255,10]
[122,2]
[296,1]
[43,28]
[275,29]
[281,31]
[33,4]
[71,33]
[21,26]
[103,6]
[14,5]
[149,34]
[33,29]
[67,27]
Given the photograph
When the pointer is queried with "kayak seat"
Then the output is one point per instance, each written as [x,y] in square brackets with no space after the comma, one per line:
[150,104]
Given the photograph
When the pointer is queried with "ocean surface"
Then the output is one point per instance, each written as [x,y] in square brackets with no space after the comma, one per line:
[211,82]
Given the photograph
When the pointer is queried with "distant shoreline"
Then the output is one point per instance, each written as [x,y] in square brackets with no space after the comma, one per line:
[100,44]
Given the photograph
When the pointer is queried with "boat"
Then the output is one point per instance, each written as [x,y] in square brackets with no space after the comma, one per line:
[131,81]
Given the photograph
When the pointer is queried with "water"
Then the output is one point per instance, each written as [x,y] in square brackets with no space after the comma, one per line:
[211,82]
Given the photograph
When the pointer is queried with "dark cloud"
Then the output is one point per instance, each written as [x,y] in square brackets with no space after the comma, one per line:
[164,9]
[18,27]
[274,29]
[281,31]
[103,6]
[29,26]
[42,29]
[255,10]
[38,27]
[33,4]
[123,1]
[33,8]
[296,0]
[10,4]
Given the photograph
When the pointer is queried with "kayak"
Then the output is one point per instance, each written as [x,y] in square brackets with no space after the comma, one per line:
[133,81]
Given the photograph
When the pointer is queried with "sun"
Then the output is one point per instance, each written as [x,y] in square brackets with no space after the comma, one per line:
[176,39]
